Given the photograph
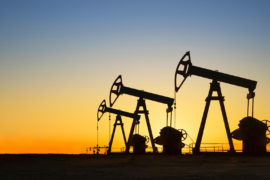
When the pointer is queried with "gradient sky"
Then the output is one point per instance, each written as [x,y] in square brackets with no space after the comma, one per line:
[58,60]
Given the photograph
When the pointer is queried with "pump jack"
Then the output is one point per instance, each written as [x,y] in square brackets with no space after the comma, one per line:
[118,88]
[185,68]
[118,121]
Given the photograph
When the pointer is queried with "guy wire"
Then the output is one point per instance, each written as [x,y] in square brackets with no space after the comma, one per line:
[109,127]
[174,109]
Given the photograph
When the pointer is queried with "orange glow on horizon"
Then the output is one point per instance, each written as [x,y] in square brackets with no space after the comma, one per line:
[66,123]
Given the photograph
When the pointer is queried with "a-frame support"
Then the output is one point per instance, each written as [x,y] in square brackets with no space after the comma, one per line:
[118,122]
[141,104]
[214,87]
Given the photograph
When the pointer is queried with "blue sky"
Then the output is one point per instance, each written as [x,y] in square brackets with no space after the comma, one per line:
[50,34]
[60,25]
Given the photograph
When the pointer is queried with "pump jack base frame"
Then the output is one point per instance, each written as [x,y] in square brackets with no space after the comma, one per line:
[214,87]
[141,104]
[118,122]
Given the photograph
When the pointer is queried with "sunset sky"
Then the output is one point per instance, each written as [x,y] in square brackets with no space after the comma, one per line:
[58,60]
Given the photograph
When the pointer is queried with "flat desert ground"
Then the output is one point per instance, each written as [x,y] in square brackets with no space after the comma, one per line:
[204,166]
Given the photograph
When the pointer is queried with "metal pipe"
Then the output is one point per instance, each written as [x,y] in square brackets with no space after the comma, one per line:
[147,95]
[218,76]
[122,113]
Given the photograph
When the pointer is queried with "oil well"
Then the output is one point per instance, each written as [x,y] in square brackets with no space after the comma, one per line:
[135,139]
[247,126]
[118,120]
[171,139]
[252,132]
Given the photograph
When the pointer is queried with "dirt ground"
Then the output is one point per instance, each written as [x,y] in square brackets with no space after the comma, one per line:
[55,166]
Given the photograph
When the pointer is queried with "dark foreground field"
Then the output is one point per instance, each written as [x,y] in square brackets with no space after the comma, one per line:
[134,167]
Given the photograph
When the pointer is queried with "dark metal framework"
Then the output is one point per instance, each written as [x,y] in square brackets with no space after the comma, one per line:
[118,121]
[118,88]
[185,69]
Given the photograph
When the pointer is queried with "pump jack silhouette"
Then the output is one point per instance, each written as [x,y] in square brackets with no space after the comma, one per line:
[118,88]
[118,121]
[185,69]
